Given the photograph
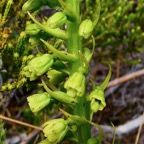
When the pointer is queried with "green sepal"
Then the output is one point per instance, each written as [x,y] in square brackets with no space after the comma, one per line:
[38,101]
[38,66]
[97,99]
[55,130]
[75,85]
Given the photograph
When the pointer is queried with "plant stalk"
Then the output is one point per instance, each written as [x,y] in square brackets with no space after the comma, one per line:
[74,46]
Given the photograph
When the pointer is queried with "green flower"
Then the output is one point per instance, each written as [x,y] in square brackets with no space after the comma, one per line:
[46,141]
[56,20]
[32,29]
[38,66]
[75,85]
[55,130]
[38,101]
[86,28]
[97,99]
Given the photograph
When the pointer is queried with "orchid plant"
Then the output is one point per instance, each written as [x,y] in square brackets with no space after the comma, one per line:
[62,65]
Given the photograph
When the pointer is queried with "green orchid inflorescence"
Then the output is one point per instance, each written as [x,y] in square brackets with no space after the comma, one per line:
[62,65]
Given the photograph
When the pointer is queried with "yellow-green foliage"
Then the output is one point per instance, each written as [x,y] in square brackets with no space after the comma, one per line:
[119,30]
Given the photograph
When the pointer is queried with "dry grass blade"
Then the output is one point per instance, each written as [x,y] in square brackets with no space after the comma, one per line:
[19,122]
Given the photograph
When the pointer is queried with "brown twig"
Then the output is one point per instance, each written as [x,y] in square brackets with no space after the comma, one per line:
[19,122]
[139,130]
[125,78]
[27,139]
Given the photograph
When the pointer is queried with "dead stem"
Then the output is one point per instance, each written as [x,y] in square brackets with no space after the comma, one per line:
[125,78]
[19,122]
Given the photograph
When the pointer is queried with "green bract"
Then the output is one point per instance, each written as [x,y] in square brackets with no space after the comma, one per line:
[56,20]
[63,97]
[32,29]
[75,85]
[38,66]
[32,5]
[97,99]
[55,130]
[55,76]
[86,28]
[87,54]
[38,101]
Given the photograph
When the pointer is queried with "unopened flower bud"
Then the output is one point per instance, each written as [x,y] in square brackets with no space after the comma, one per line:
[88,54]
[32,5]
[55,130]
[75,85]
[56,20]
[86,28]
[38,101]
[32,29]
[97,99]
[38,66]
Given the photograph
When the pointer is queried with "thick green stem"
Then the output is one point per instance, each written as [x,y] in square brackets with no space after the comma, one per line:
[74,46]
